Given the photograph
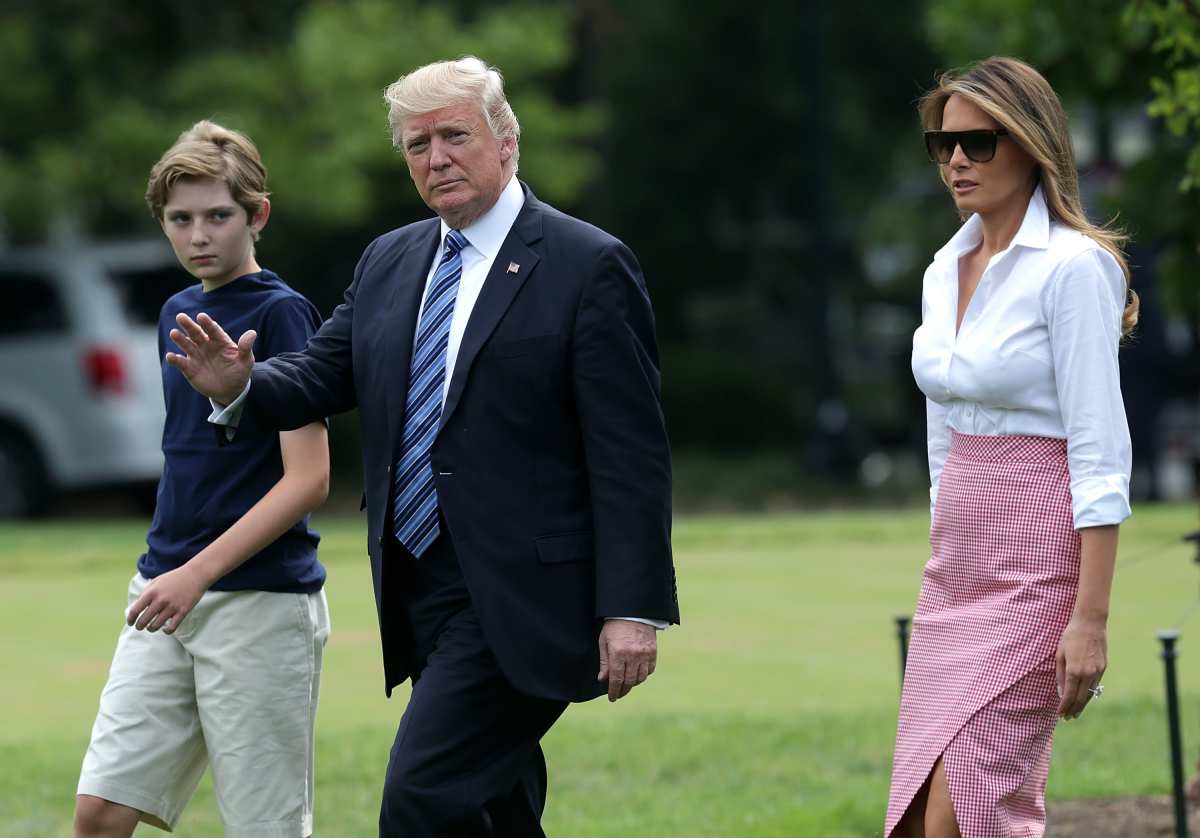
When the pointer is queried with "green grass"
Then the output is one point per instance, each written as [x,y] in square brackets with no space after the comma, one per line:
[772,712]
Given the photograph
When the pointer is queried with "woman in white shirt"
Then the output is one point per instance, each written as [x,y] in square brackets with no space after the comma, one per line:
[1029,460]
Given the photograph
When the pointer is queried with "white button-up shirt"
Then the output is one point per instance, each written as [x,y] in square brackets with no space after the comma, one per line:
[1036,354]
[484,237]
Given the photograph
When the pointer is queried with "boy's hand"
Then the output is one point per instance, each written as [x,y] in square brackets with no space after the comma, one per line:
[213,364]
[167,600]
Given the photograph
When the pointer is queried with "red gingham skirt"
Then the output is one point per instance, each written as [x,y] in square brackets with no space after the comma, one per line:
[979,687]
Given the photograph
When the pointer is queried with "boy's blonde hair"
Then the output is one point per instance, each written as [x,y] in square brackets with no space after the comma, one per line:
[209,150]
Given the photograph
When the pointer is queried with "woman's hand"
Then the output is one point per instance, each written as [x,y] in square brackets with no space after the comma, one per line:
[167,600]
[1080,663]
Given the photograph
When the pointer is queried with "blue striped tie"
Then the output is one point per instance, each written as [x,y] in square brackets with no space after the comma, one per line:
[415,515]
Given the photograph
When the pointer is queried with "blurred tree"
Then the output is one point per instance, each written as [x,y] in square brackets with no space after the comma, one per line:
[1177,88]
[97,91]
[1087,48]
[743,154]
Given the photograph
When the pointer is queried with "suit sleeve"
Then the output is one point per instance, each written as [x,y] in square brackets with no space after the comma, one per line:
[618,394]
[293,389]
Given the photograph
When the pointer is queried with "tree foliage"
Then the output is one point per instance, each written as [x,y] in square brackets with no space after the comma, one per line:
[1088,48]
[744,152]
[1176,86]
[96,92]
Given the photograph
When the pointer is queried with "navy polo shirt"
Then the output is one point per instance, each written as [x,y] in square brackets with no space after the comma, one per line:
[205,488]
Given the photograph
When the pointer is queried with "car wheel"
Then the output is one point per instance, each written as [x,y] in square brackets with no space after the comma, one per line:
[24,491]
[145,497]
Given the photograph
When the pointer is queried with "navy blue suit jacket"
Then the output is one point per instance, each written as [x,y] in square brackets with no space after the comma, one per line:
[551,461]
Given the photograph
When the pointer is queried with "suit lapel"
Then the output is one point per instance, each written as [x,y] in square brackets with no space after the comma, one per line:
[501,286]
[407,280]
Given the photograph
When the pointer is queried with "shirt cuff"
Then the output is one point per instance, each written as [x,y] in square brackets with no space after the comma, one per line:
[1100,501]
[661,625]
[228,416]
[231,414]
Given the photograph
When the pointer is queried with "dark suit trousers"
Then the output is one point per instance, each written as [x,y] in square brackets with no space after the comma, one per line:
[467,759]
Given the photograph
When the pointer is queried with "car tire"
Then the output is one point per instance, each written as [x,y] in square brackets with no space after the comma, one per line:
[145,497]
[24,490]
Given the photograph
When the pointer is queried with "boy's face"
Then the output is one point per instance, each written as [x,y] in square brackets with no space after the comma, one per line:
[211,234]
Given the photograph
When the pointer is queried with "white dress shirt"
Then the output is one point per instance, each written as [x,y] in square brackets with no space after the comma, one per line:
[1036,354]
[484,237]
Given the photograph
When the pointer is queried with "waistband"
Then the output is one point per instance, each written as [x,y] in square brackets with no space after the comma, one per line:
[1018,448]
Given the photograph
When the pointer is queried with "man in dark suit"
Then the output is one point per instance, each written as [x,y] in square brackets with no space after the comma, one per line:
[503,360]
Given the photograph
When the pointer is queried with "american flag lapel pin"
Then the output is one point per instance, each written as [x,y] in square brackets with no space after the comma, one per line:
[513,267]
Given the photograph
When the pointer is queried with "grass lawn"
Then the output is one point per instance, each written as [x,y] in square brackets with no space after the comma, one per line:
[771,714]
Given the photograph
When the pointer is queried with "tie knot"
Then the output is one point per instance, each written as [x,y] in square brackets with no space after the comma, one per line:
[455,241]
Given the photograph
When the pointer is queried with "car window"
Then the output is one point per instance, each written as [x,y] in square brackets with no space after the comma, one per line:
[144,290]
[29,304]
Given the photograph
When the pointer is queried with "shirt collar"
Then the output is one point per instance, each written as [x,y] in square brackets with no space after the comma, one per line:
[489,231]
[1034,230]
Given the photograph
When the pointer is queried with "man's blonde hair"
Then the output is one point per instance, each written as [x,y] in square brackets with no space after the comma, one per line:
[445,83]
[209,150]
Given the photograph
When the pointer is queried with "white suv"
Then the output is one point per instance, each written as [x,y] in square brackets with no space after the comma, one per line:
[81,401]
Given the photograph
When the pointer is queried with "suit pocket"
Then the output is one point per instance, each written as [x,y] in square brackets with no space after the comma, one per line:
[522,346]
[565,547]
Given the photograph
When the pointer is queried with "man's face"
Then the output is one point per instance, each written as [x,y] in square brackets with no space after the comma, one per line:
[211,234]
[456,163]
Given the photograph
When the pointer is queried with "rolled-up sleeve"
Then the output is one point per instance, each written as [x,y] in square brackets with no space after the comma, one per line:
[1085,301]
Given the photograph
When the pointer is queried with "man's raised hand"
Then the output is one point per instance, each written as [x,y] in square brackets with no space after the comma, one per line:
[212,363]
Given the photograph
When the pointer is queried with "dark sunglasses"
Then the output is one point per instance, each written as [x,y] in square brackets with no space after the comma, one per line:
[979,145]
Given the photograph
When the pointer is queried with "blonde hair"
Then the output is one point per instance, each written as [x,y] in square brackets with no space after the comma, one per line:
[1020,99]
[445,83]
[209,150]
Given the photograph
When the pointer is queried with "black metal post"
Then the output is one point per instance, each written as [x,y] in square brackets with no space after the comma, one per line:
[1168,638]
[902,622]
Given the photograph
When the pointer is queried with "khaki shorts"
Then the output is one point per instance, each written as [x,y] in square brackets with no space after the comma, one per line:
[235,686]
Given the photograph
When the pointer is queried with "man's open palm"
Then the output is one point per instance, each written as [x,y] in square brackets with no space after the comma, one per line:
[212,363]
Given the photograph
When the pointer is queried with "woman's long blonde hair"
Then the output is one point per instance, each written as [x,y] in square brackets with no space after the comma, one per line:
[1023,102]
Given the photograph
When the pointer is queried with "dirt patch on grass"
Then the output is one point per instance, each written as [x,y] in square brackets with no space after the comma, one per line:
[1116,817]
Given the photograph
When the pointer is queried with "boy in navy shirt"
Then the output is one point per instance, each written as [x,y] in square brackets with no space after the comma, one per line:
[230,576]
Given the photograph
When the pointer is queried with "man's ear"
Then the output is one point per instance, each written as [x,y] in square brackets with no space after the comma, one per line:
[508,145]
[260,218]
